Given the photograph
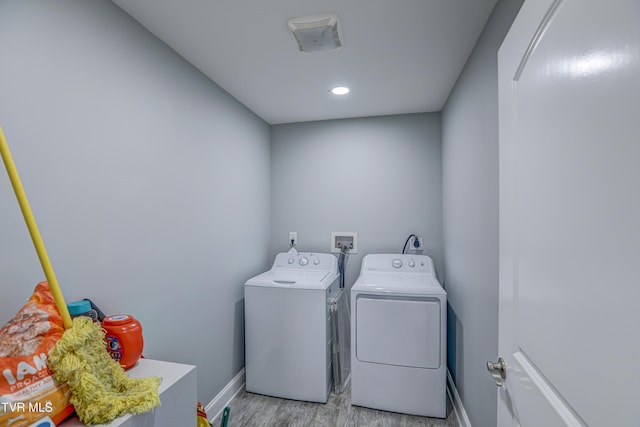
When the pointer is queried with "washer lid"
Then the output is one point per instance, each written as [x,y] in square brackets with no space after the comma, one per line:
[298,279]
[398,283]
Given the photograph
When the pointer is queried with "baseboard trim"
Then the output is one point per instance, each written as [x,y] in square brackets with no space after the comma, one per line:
[217,405]
[461,414]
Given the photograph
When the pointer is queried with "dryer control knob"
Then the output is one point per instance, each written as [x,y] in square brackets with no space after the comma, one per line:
[412,263]
[316,261]
[291,260]
[304,261]
[396,263]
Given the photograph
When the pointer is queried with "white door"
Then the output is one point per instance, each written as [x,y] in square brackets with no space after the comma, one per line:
[569,82]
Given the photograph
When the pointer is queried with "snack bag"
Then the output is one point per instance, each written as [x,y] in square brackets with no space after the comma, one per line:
[28,391]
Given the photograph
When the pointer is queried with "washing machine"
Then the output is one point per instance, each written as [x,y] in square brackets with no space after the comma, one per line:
[287,327]
[398,336]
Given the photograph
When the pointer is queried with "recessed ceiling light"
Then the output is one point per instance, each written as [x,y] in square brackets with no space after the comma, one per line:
[340,90]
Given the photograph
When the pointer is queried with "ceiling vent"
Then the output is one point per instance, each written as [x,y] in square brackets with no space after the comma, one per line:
[315,33]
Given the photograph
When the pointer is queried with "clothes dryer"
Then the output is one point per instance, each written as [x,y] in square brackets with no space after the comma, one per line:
[287,327]
[398,336]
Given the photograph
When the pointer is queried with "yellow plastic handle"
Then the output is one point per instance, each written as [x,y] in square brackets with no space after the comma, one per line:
[33,230]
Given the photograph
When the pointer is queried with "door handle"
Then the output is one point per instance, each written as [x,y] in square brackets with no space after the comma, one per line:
[498,371]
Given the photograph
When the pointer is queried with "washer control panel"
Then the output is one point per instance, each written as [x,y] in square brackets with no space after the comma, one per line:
[306,261]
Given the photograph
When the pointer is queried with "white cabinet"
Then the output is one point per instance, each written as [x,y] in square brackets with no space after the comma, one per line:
[177,394]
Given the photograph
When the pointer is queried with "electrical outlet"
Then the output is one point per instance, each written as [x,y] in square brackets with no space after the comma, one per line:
[293,236]
[338,237]
[412,244]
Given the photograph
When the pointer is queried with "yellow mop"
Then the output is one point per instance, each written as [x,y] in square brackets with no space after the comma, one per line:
[101,390]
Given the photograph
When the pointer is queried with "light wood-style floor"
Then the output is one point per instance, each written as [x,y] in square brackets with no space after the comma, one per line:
[255,410]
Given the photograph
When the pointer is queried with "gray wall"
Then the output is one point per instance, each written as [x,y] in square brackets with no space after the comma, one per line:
[149,183]
[377,176]
[470,212]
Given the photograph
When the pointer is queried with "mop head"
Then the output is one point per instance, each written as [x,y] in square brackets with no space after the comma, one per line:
[101,390]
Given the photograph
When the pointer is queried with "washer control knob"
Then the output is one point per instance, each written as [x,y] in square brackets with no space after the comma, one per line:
[412,263]
[291,260]
[304,261]
[316,261]
[396,263]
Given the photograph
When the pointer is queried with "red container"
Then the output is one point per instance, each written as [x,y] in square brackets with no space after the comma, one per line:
[124,339]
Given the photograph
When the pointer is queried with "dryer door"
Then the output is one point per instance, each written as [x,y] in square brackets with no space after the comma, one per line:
[398,331]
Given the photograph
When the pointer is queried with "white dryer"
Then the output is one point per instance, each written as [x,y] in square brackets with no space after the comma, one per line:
[287,327]
[398,336]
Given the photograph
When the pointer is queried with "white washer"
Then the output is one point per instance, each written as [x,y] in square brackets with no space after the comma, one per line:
[287,327]
[398,339]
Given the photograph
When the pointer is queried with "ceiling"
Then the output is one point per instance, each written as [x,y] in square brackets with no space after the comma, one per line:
[398,56]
